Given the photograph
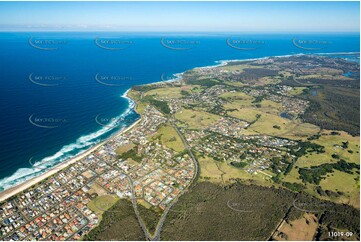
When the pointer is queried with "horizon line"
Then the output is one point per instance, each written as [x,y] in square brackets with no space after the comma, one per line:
[185,31]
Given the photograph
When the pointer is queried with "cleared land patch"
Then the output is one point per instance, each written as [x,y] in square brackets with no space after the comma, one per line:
[300,229]
[196,119]
[102,203]
[170,138]
[174,92]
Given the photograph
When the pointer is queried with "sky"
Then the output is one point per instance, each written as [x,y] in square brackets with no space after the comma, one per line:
[181,16]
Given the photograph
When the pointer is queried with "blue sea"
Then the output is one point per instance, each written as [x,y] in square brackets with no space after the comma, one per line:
[62,92]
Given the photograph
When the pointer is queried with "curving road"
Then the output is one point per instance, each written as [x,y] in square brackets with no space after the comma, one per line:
[134,202]
[156,235]
[158,229]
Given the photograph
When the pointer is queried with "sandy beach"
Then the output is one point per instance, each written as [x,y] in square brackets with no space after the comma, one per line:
[25,185]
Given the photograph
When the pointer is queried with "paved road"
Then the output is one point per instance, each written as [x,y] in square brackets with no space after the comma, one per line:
[189,150]
[279,224]
[134,201]
[158,229]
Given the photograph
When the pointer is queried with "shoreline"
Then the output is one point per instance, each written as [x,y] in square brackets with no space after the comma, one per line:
[5,194]
[33,181]
[225,62]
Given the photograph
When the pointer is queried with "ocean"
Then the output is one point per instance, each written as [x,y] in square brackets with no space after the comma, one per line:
[63,92]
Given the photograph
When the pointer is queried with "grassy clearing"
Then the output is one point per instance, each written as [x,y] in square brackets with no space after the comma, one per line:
[339,181]
[336,182]
[174,92]
[170,138]
[140,106]
[301,229]
[270,107]
[328,77]
[297,91]
[196,119]
[267,80]
[124,148]
[265,124]
[209,170]
[236,84]
[221,172]
[329,142]
[236,96]
[247,114]
[96,189]
[343,182]
[144,203]
[354,199]
[233,172]
[242,107]
[193,88]
[288,128]
[238,68]
[102,203]
[293,176]
[239,102]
